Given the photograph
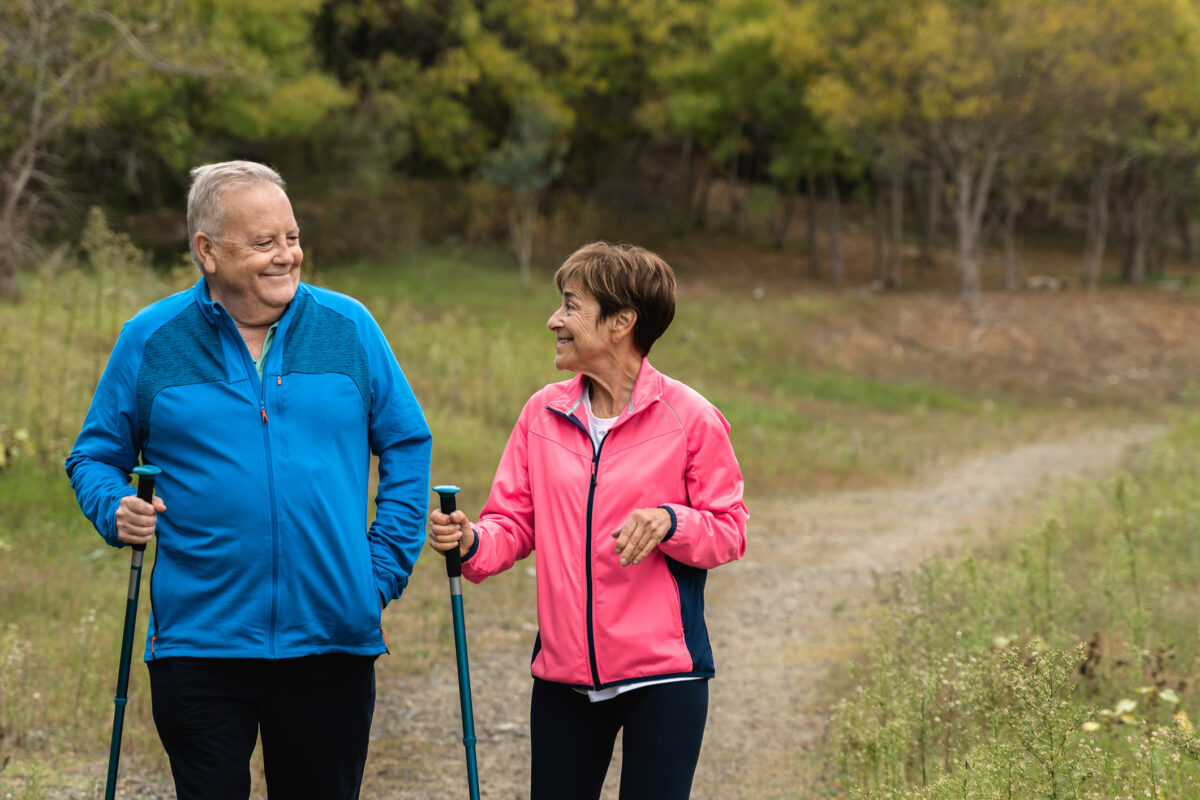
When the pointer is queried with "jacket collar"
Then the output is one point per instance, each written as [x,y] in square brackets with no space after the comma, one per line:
[646,390]
[212,311]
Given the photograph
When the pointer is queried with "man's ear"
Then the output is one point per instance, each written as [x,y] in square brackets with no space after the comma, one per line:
[203,245]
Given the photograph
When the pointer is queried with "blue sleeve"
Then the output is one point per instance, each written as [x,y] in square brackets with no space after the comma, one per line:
[106,450]
[400,437]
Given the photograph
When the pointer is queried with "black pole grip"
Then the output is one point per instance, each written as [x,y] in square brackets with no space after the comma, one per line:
[145,488]
[453,557]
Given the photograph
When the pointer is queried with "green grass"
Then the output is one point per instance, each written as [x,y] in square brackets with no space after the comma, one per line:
[1056,665]
[474,346]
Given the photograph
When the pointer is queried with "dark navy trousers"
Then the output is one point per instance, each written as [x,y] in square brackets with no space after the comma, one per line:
[572,740]
[314,715]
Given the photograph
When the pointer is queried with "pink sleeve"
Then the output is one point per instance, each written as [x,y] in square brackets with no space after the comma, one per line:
[710,529]
[504,532]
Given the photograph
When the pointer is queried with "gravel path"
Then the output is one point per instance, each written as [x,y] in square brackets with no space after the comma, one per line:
[773,618]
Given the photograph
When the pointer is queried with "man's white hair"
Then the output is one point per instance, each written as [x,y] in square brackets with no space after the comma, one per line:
[205,212]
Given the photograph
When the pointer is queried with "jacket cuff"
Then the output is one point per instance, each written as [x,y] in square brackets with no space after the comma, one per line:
[674,522]
[108,527]
[390,586]
[474,545]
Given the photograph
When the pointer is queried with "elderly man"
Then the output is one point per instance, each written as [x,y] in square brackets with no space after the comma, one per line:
[262,399]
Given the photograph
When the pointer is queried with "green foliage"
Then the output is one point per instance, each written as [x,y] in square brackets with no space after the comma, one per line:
[530,156]
[979,686]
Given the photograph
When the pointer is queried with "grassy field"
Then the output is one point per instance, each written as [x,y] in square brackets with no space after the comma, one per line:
[474,346]
[1059,664]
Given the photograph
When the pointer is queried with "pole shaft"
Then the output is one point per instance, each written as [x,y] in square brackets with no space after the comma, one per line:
[464,691]
[454,573]
[145,491]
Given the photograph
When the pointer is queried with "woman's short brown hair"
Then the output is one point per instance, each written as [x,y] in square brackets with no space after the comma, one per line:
[624,276]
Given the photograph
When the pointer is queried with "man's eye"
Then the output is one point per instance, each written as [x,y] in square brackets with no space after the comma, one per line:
[265,244]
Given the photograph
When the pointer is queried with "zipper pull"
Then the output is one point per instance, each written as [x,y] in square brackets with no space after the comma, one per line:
[594,466]
[279,380]
[263,409]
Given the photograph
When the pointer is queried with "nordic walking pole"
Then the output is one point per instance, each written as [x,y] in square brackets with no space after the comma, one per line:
[146,475]
[454,573]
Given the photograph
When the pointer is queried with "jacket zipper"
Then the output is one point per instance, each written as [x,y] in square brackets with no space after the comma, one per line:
[591,630]
[252,375]
[273,621]
[153,611]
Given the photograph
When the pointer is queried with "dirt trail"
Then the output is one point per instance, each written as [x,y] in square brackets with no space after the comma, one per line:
[774,620]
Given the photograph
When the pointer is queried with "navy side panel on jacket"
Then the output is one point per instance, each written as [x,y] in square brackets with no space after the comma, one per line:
[183,352]
[323,341]
[691,582]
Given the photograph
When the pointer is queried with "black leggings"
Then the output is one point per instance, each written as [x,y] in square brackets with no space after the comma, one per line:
[314,715]
[573,738]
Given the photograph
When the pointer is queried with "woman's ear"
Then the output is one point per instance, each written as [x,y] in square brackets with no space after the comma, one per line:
[622,323]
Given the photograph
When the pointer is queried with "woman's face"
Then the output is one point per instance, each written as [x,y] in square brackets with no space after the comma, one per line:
[583,344]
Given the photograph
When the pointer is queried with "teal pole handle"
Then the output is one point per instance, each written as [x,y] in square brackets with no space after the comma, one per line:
[145,490]
[447,493]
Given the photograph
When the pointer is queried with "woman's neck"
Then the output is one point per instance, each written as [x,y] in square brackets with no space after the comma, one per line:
[612,390]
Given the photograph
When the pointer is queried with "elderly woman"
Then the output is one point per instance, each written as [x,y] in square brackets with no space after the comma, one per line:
[626,484]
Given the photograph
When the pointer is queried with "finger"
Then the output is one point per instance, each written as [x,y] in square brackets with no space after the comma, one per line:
[622,535]
[440,546]
[134,536]
[646,548]
[633,545]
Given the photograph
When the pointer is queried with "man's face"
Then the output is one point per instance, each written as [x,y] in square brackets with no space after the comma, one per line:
[254,268]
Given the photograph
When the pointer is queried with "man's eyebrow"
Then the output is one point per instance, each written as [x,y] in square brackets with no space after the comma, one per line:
[265,234]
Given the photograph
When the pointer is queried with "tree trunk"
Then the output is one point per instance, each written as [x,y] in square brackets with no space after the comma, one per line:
[700,201]
[814,246]
[834,224]
[1141,236]
[897,254]
[933,214]
[689,179]
[878,228]
[1187,237]
[783,216]
[968,223]
[1012,258]
[1097,228]
[522,225]
[737,205]
[9,290]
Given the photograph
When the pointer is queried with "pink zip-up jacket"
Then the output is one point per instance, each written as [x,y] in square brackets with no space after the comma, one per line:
[601,624]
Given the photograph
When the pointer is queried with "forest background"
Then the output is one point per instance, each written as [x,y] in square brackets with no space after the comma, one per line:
[529,121]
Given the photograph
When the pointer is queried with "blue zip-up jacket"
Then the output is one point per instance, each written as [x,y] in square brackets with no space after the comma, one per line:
[264,550]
